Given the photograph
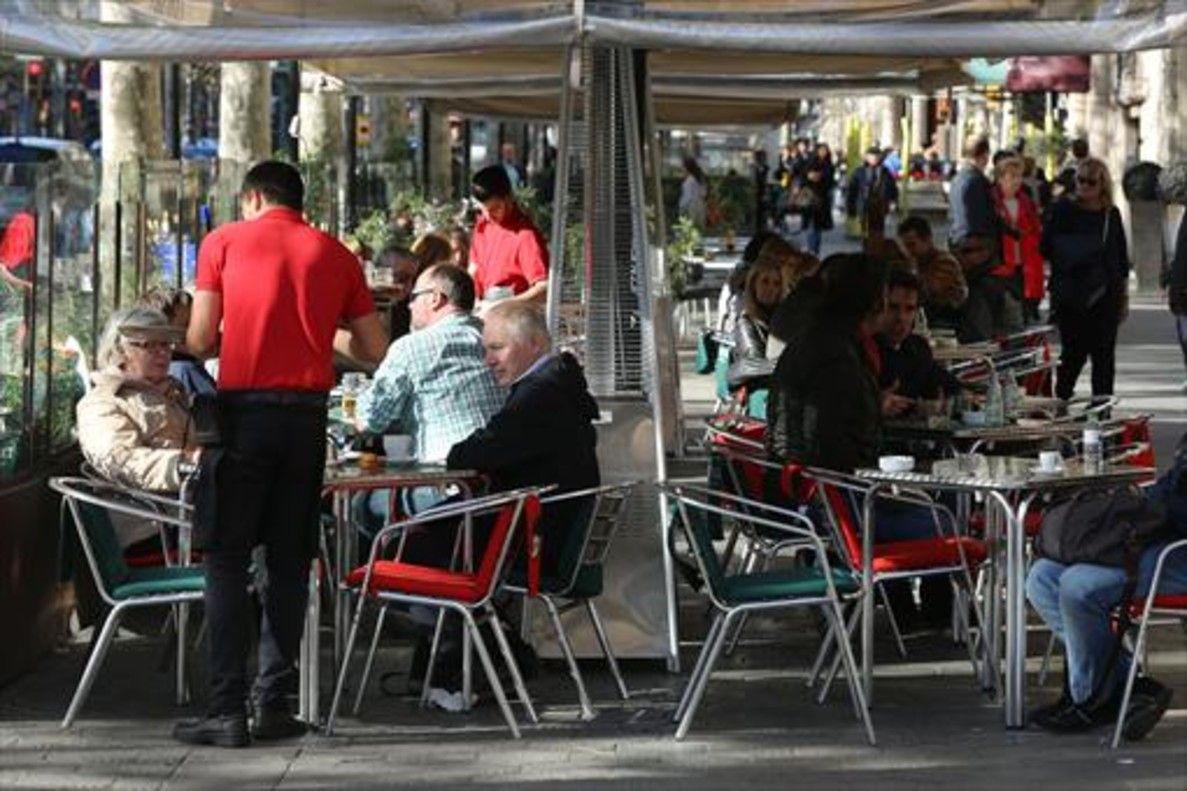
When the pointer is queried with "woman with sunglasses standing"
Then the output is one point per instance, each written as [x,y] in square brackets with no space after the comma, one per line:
[1084,240]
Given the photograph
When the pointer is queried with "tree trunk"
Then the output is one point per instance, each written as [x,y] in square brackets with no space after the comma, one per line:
[244,134]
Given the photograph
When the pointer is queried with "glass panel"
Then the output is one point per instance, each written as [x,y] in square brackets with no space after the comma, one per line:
[18,242]
[70,287]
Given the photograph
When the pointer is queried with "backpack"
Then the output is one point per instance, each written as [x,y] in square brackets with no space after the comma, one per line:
[1106,527]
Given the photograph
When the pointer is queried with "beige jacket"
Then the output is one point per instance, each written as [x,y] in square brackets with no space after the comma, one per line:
[133,433]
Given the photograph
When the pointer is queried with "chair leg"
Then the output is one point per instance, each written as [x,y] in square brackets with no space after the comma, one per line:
[491,675]
[710,639]
[183,615]
[898,636]
[428,682]
[697,691]
[340,684]
[1139,646]
[509,659]
[607,651]
[845,651]
[94,662]
[358,698]
[823,654]
[587,712]
[851,627]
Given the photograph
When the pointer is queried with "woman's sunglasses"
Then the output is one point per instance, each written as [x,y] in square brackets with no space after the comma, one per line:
[1091,182]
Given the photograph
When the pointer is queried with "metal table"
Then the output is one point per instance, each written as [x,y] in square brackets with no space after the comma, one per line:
[960,436]
[341,481]
[1009,486]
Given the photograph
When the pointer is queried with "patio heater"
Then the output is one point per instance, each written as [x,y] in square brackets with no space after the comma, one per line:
[608,305]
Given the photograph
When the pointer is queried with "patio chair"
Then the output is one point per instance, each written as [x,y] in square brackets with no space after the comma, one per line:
[1143,613]
[578,577]
[467,593]
[121,587]
[819,586]
[953,555]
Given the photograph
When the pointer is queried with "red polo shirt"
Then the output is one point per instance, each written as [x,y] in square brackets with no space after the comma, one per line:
[285,287]
[511,253]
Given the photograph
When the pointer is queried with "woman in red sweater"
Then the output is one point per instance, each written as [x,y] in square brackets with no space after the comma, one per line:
[1021,232]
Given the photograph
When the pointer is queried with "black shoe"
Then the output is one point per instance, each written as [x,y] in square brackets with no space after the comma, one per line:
[1147,704]
[1080,718]
[276,722]
[1041,714]
[220,730]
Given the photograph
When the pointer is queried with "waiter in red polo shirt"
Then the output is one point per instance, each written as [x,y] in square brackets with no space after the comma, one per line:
[286,296]
[508,255]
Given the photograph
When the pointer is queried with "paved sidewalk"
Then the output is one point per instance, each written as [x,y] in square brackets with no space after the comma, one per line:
[757,727]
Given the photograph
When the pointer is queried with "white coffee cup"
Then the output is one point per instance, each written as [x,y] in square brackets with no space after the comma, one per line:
[397,447]
[1050,461]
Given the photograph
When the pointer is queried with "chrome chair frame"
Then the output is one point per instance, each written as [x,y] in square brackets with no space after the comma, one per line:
[1139,646]
[685,495]
[74,491]
[466,611]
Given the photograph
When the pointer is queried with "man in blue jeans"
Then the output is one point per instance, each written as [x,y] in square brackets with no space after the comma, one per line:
[1077,601]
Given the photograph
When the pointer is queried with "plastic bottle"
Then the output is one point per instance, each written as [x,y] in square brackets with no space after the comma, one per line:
[1012,396]
[1093,449]
[994,403]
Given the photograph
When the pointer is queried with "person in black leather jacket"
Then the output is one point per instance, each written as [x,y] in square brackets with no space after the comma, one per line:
[824,407]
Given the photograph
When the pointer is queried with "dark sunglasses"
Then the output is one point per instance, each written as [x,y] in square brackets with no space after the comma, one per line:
[1091,182]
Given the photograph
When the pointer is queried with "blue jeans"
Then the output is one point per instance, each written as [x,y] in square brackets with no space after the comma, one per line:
[812,236]
[1075,602]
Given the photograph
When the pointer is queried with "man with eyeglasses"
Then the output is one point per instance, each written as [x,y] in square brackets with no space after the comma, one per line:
[433,384]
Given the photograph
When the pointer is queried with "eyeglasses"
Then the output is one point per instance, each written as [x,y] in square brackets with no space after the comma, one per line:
[1087,181]
[151,346]
[420,291]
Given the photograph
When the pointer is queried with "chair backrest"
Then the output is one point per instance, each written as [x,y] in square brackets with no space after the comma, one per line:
[842,520]
[597,510]
[91,504]
[516,518]
[700,541]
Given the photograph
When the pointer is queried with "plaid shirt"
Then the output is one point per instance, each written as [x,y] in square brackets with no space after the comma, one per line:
[434,385]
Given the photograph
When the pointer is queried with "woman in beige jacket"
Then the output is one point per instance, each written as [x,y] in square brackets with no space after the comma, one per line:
[132,425]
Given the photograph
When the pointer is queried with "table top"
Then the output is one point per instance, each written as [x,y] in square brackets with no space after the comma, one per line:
[1006,473]
[963,352]
[944,429]
[349,476]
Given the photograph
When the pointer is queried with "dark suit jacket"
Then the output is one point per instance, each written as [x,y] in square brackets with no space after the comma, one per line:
[543,435]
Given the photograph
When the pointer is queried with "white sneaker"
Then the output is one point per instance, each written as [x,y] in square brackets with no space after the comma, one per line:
[453,702]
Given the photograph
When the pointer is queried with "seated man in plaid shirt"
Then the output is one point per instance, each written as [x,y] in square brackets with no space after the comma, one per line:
[433,384]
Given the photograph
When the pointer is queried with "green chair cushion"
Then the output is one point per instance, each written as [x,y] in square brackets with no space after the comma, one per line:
[793,583]
[160,581]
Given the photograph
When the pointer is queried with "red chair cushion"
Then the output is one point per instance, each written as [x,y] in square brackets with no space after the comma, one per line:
[150,559]
[396,577]
[926,553]
[1167,601]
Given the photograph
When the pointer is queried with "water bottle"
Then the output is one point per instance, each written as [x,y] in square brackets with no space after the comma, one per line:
[1093,450]
[994,404]
[1012,396]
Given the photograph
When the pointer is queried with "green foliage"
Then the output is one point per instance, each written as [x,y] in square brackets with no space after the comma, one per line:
[375,231]
[686,239]
[734,198]
[539,211]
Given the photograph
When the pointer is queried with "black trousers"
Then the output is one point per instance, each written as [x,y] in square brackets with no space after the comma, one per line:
[268,483]
[1087,334]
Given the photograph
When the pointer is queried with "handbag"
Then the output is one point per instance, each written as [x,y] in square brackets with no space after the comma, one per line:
[205,426]
[1108,527]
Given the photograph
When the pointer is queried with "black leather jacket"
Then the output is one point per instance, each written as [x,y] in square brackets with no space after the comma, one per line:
[824,404]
